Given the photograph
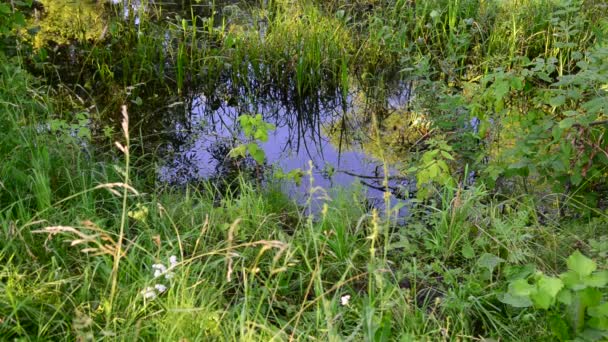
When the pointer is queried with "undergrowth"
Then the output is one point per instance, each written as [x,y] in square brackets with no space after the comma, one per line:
[505,238]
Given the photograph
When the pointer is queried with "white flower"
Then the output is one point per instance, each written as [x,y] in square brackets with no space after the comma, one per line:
[160,288]
[159,269]
[173,260]
[149,293]
[344,300]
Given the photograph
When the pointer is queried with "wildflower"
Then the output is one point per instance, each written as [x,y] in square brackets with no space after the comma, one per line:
[159,269]
[160,288]
[344,300]
[149,293]
[173,261]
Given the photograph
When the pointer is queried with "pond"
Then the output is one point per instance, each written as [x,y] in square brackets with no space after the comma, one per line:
[331,126]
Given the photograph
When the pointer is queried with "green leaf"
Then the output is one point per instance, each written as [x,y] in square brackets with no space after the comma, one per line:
[501,88]
[550,285]
[256,153]
[590,297]
[576,177]
[572,280]
[542,300]
[383,331]
[559,328]
[599,323]
[467,251]
[261,135]
[434,171]
[580,264]
[547,290]
[597,279]
[557,101]
[567,123]
[517,83]
[489,261]
[516,301]
[521,287]
[446,155]
[565,297]
[19,19]
[598,311]
[238,151]
[518,272]
[5,9]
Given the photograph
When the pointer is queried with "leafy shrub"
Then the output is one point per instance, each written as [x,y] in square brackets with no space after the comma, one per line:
[575,302]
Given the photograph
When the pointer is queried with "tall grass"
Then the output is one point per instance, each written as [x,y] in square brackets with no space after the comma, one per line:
[90,249]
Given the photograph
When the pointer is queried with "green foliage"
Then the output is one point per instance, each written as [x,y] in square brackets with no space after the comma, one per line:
[255,265]
[255,129]
[11,19]
[575,301]
[433,168]
[564,123]
[294,175]
[69,132]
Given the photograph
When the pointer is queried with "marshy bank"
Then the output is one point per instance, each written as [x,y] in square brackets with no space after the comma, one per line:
[156,184]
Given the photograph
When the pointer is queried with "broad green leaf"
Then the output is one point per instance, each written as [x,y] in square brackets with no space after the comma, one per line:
[443,166]
[517,83]
[261,135]
[547,290]
[580,264]
[238,151]
[567,123]
[489,261]
[5,9]
[599,323]
[557,101]
[590,297]
[598,311]
[565,297]
[501,88]
[597,279]
[516,301]
[542,300]
[467,251]
[256,153]
[572,280]
[550,285]
[518,272]
[19,19]
[521,287]
[434,171]
[576,177]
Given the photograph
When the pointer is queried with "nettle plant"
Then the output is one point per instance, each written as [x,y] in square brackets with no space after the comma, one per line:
[575,301]
[553,127]
[255,129]
[547,117]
